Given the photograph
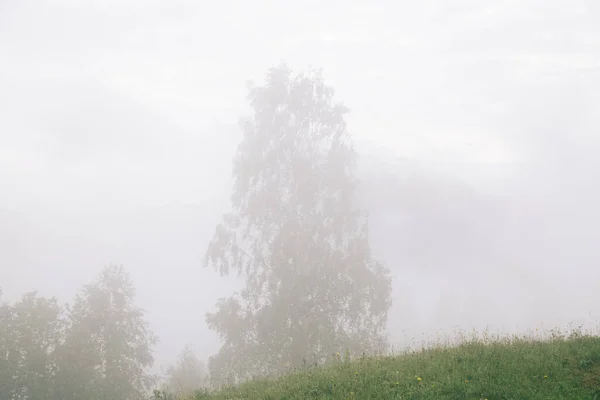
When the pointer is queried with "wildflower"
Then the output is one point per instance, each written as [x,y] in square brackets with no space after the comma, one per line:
[545,376]
[419,379]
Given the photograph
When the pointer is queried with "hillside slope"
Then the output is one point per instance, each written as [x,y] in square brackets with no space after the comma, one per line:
[517,368]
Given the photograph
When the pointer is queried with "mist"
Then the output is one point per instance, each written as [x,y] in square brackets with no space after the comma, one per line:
[475,125]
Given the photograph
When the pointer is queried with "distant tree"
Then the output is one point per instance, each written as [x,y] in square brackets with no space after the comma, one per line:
[188,374]
[30,332]
[108,344]
[311,287]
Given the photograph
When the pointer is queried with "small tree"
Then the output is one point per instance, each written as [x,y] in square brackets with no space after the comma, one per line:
[30,332]
[311,287]
[188,374]
[108,346]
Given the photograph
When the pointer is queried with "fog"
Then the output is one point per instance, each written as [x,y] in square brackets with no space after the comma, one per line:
[475,121]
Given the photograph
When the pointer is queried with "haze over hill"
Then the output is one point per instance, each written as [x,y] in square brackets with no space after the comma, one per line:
[118,127]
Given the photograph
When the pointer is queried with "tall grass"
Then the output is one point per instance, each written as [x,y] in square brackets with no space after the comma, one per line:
[548,365]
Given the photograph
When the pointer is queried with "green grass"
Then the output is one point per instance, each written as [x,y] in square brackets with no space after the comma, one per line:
[560,367]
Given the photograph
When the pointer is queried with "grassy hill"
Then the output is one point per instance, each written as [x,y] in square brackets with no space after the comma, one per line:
[561,367]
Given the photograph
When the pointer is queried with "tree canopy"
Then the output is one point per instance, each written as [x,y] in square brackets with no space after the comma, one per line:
[99,348]
[311,286]
[30,332]
[188,374]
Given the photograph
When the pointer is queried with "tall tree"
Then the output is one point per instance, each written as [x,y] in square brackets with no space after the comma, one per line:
[311,287]
[108,345]
[30,332]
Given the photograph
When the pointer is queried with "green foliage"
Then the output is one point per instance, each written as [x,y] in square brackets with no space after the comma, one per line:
[163,395]
[30,332]
[108,345]
[98,349]
[504,369]
[311,287]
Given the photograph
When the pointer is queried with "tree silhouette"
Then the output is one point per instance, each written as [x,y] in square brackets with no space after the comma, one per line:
[311,287]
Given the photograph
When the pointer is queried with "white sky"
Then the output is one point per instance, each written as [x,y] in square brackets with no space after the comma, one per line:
[118,125]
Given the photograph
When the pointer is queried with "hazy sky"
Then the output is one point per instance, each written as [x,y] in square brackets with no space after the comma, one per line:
[118,126]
